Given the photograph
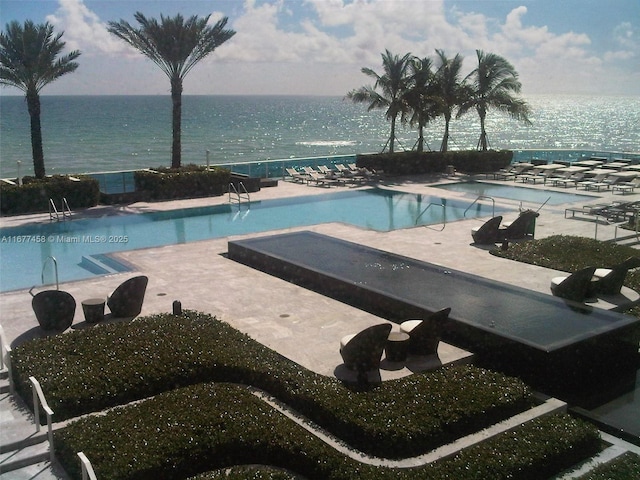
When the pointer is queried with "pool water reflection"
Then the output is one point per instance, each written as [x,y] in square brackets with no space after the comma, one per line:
[524,194]
[81,246]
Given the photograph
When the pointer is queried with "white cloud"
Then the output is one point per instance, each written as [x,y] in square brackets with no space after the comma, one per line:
[343,36]
[625,35]
[83,29]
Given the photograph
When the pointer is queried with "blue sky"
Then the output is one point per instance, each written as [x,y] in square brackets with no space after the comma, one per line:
[317,47]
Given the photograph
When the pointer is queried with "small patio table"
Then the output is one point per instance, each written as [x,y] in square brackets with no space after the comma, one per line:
[397,346]
[93,309]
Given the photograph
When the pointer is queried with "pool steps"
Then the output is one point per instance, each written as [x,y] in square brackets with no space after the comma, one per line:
[102,264]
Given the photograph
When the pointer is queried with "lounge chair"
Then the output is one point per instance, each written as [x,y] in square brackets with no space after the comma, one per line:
[488,232]
[576,287]
[362,351]
[424,335]
[324,180]
[569,181]
[522,227]
[512,172]
[586,184]
[530,176]
[606,183]
[624,187]
[609,281]
[54,309]
[126,300]
[295,175]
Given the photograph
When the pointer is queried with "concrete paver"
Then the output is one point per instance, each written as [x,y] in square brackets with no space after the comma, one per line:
[298,323]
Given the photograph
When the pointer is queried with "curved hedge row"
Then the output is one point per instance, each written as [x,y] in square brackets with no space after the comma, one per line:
[109,365]
[210,426]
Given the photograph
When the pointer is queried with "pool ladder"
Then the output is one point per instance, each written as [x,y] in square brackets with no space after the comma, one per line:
[444,217]
[54,214]
[44,267]
[237,194]
[482,197]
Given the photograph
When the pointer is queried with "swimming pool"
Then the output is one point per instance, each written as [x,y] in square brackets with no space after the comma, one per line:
[82,246]
[530,195]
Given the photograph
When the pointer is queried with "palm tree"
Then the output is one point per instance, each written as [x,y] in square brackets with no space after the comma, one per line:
[419,96]
[392,84]
[492,85]
[176,46]
[29,61]
[450,92]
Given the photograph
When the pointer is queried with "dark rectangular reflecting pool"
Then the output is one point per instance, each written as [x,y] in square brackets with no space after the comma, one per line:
[561,348]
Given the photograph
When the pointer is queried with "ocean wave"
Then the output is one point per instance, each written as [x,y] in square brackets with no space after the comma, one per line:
[329,143]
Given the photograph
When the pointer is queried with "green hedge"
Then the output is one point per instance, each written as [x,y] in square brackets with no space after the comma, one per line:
[187,182]
[34,194]
[624,467]
[412,163]
[109,365]
[210,426]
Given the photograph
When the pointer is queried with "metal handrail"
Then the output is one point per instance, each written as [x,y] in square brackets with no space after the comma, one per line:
[53,211]
[55,265]
[444,217]
[66,211]
[40,400]
[87,468]
[239,194]
[482,197]
[5,359]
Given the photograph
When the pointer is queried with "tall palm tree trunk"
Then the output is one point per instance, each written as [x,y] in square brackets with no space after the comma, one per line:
[420,139]
[176,98]
[483,133]
[445,139]
[392,137]
[33,105]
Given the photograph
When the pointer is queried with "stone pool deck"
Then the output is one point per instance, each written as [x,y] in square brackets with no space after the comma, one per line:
[279,314]
[298,323]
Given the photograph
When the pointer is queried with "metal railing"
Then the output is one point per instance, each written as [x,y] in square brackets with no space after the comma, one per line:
[87,468]
[444,217]
[39,400]
[238,193]
[54,214]
[5,359]
[55,270]
[482,197]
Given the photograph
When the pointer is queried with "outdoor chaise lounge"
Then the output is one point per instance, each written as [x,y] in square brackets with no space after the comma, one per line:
[609,281]
[488,232]
[323,180]
[522,227]
[424,335]
[624,187]
[576,287]
[54,309]
[296,176]
[126,300]
[362,351]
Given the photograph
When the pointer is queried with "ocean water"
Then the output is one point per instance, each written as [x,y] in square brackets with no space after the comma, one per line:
[107,133]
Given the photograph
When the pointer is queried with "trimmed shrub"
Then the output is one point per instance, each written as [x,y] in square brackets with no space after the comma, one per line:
[212,426]
[34,194]
[190,181]
[411,163]
[109,365]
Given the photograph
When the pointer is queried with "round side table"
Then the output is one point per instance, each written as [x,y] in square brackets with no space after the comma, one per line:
[93,309]
[397,345]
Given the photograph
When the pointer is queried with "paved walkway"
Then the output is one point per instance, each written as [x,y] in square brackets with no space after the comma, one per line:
[300,324]
[278,313]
